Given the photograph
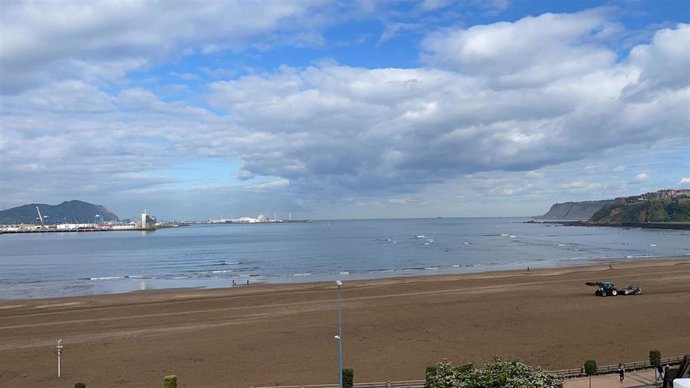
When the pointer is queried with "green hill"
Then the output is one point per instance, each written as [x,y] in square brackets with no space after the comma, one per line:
[68,211]
[652,210]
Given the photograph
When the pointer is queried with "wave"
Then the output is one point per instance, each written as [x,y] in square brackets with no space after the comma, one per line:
[106,278]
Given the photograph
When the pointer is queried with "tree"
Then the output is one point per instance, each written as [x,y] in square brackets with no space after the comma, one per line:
[655,360]
[590,369]
[348,378]
[496,374]
[170,381]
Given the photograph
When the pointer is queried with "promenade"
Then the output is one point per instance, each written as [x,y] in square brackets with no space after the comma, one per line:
[633,379]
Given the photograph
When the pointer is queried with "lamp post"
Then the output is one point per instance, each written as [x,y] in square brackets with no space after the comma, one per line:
[340,336]
[59,353]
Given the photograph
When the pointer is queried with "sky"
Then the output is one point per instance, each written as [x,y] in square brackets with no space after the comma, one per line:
[342,109]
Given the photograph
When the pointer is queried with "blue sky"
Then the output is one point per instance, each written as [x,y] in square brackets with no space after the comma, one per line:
[327,109]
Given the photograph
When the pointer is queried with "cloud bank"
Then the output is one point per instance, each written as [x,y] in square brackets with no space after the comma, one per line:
[507,97]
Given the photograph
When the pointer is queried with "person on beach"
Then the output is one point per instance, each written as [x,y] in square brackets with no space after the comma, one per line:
[666,380]
[621,371]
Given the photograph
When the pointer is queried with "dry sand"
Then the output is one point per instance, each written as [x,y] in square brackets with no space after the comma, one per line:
[392,328]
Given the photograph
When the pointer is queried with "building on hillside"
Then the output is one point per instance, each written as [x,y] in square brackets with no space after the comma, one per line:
[661,194]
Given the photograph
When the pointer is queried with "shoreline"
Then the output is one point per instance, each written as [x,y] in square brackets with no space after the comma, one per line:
[642,225]
[270,334]
[153,284]
[594,264]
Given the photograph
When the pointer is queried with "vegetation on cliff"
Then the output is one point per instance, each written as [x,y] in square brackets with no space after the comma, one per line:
[652,210]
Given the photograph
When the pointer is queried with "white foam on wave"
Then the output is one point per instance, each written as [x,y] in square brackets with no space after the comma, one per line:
[344,272]
[302,274]
[106,278]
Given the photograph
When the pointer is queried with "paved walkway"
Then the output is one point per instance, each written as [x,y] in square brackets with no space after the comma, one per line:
[637,379]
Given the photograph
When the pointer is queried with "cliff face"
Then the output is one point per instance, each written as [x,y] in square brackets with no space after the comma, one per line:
[68,211]
[575,211]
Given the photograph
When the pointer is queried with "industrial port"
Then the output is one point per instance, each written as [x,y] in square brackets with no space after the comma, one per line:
[146,223]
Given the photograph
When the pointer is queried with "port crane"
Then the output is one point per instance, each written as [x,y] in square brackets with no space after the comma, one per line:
[40,217]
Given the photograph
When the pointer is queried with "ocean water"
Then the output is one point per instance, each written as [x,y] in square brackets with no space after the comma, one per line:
[63,264]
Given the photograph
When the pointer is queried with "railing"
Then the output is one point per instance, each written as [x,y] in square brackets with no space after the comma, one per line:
[569,373]
[388,384]
[562,373]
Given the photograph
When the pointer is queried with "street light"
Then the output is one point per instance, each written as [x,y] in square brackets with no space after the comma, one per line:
[59,353]
[340,336]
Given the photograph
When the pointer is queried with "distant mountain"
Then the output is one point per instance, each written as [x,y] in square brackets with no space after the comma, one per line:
[575,211]
[68,211]
[656,210]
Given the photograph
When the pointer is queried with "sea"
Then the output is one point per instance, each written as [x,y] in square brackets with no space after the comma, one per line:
[227,255]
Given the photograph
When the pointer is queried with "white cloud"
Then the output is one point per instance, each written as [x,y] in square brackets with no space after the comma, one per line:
[662,64]
[530,51]
[48,41]
[431,5]
[581,185]
[641,177]
[372,127]
[684,180]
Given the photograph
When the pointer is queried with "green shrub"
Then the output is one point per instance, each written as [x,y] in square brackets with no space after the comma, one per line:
[170,381]
[590,367]
[431,371]
[498,373]
[655,357]
[348,378]
[79,385]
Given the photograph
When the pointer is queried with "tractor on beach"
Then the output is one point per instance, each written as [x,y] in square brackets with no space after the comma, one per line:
[609,289]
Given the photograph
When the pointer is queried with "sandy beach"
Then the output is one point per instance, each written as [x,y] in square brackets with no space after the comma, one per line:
[392,328]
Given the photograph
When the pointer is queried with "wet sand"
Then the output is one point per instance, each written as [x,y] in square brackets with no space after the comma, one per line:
[392,328]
